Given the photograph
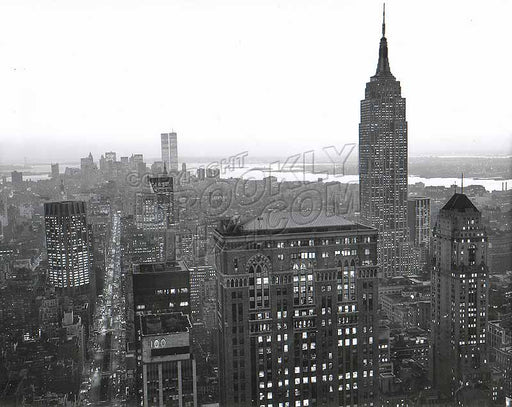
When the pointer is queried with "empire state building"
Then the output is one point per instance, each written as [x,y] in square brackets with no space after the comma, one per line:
[383,164]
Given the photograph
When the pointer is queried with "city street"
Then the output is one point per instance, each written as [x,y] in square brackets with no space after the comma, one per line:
[104,377]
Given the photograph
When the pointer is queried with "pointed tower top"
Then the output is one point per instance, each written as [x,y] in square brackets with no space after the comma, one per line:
[383,19]
[383,65]
[462,184]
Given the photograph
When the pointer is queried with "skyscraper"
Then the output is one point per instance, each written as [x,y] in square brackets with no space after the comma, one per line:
[154,217]
[170,150]
[16,177]
[163,188]
[55,170]
[68,243]
[161,287]
[383,164]
[150,214]
[418,213]
[168,367]
[297,312]
[460,284]
[160,293]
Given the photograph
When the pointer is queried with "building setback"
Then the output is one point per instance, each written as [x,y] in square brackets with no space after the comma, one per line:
[297,311]
[383,165]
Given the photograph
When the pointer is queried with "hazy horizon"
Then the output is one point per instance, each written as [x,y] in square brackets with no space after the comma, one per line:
[246,76]
[353,157]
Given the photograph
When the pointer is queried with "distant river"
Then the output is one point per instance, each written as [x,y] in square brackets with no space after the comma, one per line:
[259,171]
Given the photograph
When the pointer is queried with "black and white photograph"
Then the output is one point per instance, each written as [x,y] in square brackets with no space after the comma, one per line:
[255,203]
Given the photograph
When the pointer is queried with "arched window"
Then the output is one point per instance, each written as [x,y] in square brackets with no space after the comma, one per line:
[258,267]
[258,264]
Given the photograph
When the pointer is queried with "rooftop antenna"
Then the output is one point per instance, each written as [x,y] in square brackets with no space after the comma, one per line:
[383,19]
[462,184]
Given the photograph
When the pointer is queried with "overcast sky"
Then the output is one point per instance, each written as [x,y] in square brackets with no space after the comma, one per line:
[269,77]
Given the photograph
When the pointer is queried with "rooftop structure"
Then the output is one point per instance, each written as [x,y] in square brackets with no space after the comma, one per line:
[165,323]
[287,222]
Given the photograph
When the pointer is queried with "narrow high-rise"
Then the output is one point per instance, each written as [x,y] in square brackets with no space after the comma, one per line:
[170,150]
[460,285]
[418,212]
[158,330]
[383,165]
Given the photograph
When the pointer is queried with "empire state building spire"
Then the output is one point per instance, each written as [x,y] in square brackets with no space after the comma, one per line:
[383,65]
[384,19]
[383,164]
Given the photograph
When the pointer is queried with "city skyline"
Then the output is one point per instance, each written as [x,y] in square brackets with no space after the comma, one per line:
[238,86]
[289,271]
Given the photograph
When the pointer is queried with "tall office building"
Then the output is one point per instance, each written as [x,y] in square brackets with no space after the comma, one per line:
[16,177]
[460,284]
[418,213]
[154,216]
[297,311]
[163,188]
[69,244]
[110,156]
[161,287]
[168,368]
[158,289]
[499,334]
[55,170]
[200,277]
[150,215]
[170,150]
[383,165]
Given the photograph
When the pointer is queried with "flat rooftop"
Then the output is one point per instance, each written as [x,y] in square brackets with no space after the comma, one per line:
[157,324]
[505,323]
[160,267]
[286,221]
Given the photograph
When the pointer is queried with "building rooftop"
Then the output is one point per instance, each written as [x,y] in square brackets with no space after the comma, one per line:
[288,221]
[161,183]
[64,208]
[161,267]
[459,202]
[505,323]
[156,324]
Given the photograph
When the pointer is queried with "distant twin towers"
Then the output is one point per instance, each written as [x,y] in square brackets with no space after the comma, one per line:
[170,151]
